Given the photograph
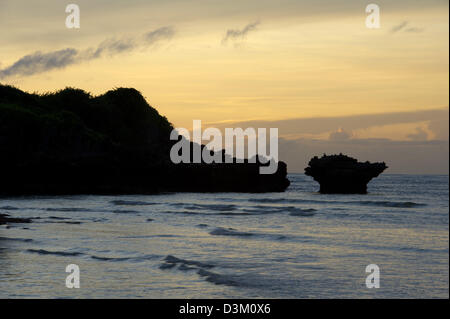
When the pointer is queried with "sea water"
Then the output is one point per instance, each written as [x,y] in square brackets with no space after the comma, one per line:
[296,244]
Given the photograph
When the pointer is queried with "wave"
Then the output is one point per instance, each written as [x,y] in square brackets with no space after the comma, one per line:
[56,253]
[233,214]
[423,250]
[203,270]
[124,211]
[254,210]
[110,258]
[149,236]
[9,208]
[219,279]
[24,240]
[262,210]
[219,207]
[304,213]
[184,212]
[294,211]
[131,203]
[172,261]
[229,232]
[271,200]
[188,212]
[61,220]
[220,231]
[392,204]
[96,220]
[100,258]
[68,209]
[119,259]
[328,202]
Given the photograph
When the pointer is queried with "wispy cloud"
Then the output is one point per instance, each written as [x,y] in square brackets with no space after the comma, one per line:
[39,62]
[438,119]
[159,34]
[239,34]
[419,135]
[404,27]
[414,30]
[340,135]
[423,156]
[399,27]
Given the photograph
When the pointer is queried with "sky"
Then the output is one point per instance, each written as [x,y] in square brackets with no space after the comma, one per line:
[311,68]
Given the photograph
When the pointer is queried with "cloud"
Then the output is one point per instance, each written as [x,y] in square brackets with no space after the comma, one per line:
[440,128]
[414,30]
[159,34]
[340,135]
[112,47]
[399,27]
[403,27]
[236,34]
[420,154]
[420,135]
[406,157]
[322,125]
[39,62]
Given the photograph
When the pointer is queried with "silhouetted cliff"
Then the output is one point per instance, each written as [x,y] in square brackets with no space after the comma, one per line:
[342,174]
[70,142]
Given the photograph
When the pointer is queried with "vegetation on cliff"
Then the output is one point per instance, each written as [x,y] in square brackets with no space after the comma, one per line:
[71,142]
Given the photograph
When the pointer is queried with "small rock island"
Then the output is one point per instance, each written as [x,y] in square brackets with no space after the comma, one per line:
[341,174]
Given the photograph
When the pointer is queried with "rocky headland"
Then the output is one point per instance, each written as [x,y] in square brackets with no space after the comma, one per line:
[70,142]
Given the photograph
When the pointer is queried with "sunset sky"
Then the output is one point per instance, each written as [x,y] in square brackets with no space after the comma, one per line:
[311,68]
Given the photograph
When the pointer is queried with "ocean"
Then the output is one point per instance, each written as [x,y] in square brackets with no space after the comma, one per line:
[296,244]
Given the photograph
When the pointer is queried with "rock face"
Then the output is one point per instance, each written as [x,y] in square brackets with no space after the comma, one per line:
[341,174]
[70,142]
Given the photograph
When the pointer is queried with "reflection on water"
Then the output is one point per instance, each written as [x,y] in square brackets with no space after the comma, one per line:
[297,244]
